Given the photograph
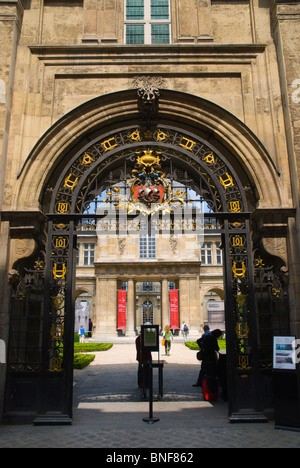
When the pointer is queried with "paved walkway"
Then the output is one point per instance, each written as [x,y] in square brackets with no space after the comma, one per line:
[108,411]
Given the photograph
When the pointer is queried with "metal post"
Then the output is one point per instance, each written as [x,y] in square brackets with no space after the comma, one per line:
[150,420]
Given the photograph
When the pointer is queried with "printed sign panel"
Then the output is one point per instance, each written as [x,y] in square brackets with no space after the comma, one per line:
[121,309]
[174,309]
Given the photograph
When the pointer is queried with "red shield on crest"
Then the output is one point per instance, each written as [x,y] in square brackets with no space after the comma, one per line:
[148,193]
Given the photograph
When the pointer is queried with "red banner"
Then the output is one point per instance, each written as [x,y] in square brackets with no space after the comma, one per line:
[121,309]
[174,309]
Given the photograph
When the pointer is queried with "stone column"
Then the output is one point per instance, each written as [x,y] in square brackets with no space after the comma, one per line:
[194,306]
[165,303]
[189,303]
[11,13]
[130,327]
[106,307]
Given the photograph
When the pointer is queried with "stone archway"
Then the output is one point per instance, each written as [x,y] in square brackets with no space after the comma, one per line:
[206,142]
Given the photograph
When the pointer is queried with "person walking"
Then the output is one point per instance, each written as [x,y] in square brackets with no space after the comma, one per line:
[168,336]
[90,328]
[185,331]
[81,333]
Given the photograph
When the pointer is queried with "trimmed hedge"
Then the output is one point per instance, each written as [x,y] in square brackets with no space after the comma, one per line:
[82,360]
[90,347]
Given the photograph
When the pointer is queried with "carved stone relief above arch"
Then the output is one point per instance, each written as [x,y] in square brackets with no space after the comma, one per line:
[277,247]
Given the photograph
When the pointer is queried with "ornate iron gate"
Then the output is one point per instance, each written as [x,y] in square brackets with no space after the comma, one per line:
[161,150]
[25,347]
[151,162]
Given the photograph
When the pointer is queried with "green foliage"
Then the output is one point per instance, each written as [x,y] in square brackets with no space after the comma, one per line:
[82,360]
[194,346]
[90,347]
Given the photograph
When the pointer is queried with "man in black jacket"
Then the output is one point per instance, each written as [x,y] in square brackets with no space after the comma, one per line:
[209,344]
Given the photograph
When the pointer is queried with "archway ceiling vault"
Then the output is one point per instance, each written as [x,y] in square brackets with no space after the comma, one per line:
[104,114]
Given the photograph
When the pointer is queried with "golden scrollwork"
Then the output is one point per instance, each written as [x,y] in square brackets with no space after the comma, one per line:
[187,143]
[135,135]
[242,330]
[60,242]
[55,364]
[227,182]
[161,136]
[109,144]
[148,159]
[63,207]
[87,159]
[259,263]
[238,241]
[209,158]
[39,265]
[243,362]
[241,299]
[71,181]
[59,272]
[58,301]
[235,206]
[239,271]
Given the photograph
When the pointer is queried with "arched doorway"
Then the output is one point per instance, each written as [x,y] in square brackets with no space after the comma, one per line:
[182,163]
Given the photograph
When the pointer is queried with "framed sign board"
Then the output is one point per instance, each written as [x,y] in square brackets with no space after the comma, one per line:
[150,337]
[284,352]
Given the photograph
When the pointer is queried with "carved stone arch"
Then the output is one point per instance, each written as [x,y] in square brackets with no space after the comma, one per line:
[218,290]
[84,288]
[206,288]
[208,120]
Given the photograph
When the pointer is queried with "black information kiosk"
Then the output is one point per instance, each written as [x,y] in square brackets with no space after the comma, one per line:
[150,342]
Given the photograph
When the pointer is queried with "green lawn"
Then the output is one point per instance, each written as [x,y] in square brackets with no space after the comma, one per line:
[82,360]
[194,347]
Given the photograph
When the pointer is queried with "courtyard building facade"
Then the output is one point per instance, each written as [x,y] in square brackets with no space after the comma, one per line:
[143,269]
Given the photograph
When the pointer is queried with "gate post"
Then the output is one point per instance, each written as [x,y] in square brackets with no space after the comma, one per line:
[244,396]
[58,333]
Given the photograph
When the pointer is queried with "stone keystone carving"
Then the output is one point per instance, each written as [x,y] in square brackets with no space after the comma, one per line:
[148,94]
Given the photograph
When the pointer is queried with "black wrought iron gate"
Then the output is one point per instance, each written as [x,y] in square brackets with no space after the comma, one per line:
[162,156]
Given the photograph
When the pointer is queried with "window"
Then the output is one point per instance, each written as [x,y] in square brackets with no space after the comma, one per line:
[88,254]
[219,253]
[135,34]
[147,246]
[147,21]
[206,254]
[135,10]
[147,286]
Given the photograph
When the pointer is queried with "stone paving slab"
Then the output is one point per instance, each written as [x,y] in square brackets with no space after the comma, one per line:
[108,412]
